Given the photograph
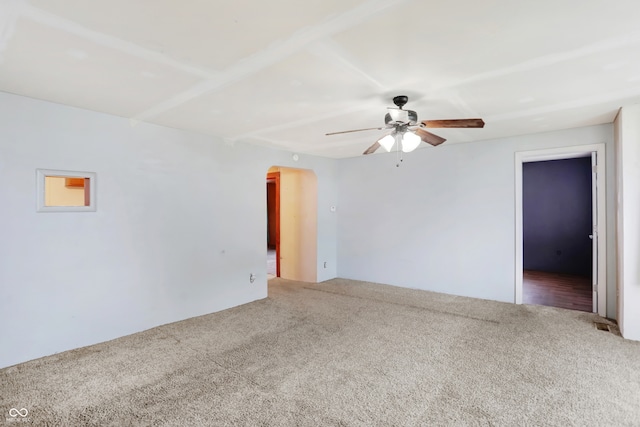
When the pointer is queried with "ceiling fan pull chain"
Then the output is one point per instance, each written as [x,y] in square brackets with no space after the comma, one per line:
[398,153]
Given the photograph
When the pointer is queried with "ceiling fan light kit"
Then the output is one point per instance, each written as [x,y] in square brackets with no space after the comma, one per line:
[407,132]
[387,142]
[407,141]
[410,141]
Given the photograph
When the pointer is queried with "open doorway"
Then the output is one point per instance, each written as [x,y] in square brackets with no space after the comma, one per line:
[557,225]
[292,210]
[560,228]
[273,224]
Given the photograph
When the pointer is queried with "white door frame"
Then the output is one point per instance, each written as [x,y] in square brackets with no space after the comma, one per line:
[557,154]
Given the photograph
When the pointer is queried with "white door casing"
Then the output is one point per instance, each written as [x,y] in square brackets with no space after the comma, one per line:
[594,228]
[597,153]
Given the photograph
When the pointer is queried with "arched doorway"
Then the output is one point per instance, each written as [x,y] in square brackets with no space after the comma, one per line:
[292,197]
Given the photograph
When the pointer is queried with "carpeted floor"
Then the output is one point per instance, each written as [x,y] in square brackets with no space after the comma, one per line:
[343,353]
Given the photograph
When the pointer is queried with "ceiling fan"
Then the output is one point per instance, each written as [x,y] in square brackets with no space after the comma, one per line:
[407,132]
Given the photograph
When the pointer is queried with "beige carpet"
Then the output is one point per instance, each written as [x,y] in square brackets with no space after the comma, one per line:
[343,353]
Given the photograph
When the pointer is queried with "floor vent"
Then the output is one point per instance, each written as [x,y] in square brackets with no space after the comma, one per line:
[602,326]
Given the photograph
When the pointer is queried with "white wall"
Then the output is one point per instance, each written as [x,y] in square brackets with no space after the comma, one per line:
[627,128]
[444,220]
[178,229]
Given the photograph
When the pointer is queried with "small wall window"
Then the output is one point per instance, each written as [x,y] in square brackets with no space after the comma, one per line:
[65,191]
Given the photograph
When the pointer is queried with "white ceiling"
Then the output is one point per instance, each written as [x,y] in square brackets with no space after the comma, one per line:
[282,73]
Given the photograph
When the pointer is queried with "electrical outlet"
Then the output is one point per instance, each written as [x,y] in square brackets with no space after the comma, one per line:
[252,278]
[325,264]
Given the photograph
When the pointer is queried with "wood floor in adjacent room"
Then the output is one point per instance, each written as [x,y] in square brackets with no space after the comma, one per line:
[557,290]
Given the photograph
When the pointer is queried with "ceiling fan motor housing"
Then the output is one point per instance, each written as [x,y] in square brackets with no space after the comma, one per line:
[404,117]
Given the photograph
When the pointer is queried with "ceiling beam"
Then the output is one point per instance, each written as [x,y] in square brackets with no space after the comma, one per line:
[328,49]
[588,101]
[10,11]
[45,18]
[306,121]
[275,53]
[547,60]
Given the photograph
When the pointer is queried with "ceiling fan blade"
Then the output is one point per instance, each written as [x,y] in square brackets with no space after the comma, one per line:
[356,130]
[455,123]
[372,149]
[429,138]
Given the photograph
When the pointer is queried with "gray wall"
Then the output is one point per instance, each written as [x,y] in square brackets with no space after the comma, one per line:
[179,227]
[557,217]
[444,220]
